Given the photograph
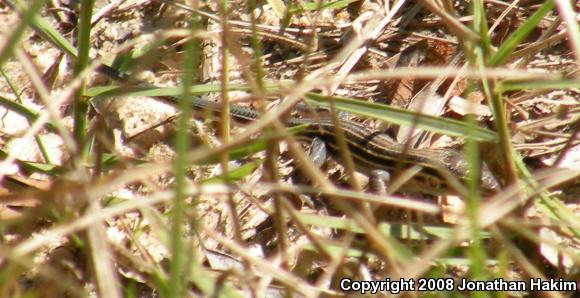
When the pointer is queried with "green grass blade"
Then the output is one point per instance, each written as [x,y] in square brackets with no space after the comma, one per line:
[39,167]
[309,6]
[236,174]
[508,47]
[395,230]
[152,91]
[403,117]
[507,86]
[22,111]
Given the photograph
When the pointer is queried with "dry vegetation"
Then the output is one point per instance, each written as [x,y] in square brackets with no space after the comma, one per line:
[105,191]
